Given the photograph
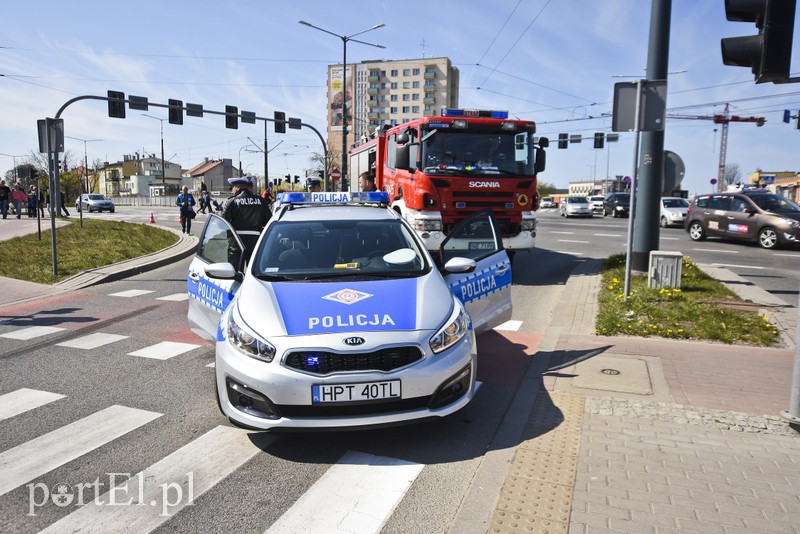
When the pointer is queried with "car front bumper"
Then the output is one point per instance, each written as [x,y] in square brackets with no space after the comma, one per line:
[271,395]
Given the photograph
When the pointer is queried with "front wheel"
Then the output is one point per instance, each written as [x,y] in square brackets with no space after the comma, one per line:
[696,231]
[664,222]
[768,237]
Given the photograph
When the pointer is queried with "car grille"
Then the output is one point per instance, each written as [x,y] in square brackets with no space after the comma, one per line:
[325,363]
[354,410]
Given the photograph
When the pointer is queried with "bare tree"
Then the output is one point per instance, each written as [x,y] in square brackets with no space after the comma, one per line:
[733,174]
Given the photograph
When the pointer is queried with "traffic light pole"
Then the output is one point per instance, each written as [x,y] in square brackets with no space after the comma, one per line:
[648,192]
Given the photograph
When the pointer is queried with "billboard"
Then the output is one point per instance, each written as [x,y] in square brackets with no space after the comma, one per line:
[339,97]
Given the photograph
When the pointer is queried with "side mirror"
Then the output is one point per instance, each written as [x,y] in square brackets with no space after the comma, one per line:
[222,270]
[541,160]
[544,142]
[460,265]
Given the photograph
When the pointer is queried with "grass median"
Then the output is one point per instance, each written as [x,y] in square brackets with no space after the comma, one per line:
[96,244]
[703,309]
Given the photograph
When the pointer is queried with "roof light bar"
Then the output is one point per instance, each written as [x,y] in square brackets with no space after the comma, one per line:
[364,197]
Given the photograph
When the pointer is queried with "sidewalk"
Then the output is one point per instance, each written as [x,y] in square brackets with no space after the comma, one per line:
[628,434]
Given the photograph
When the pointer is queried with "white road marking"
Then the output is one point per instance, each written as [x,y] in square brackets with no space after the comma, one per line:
[565,233]
[22,400]
[570,253]
[717,250]
[608,235]
[162,490]
[32,332]
[735,265]
[572,241]
[212,365]
[357,494]
[670,238]
[177,297]
[512,325]
[92,341]
[131,293]
[164,350]
[787,255]
[29,460]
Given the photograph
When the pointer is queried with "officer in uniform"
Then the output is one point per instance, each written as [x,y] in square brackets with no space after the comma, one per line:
[247,213]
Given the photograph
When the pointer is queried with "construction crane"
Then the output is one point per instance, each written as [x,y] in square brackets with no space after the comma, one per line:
[724,119]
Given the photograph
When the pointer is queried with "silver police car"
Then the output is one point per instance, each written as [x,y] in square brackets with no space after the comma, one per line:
[341,318]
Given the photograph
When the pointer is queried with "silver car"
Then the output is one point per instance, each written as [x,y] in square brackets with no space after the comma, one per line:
[575,206]
[94,202]
[673,211]
[341,318]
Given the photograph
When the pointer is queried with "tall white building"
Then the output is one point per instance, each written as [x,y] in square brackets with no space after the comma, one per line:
[387,92]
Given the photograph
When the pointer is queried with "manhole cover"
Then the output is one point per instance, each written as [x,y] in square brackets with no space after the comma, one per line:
[612,372]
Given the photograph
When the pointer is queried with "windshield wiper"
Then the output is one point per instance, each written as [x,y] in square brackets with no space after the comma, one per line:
[275,277]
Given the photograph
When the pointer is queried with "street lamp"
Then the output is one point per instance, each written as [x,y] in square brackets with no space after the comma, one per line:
[163,164]
[85,161]
[345,39]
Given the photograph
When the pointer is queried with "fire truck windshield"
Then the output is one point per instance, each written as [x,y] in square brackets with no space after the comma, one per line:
[495,153]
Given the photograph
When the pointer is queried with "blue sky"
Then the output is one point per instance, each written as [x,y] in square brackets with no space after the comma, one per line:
[554,62]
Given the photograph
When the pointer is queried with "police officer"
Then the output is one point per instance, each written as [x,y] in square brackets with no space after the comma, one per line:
[247,213]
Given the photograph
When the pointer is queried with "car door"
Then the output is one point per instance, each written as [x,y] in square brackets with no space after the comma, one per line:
[741,220]
[485,290]
[715,214]
[209,296]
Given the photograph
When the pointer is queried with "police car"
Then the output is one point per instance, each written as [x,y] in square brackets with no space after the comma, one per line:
[341,318]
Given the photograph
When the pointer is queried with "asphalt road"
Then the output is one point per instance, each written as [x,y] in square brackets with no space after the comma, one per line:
[598,237]
[109,383]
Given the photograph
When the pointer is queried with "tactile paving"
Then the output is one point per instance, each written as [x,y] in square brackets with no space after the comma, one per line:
[537,493]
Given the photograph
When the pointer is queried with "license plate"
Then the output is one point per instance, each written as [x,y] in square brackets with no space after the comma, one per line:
[481,245]
[362,392]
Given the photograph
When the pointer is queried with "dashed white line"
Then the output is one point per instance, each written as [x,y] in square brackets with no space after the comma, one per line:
[164,350]
[177,297]
[32,332]
[716,250]
[573,241]
[92,341]
[735,265]
[131,293]
[22,400]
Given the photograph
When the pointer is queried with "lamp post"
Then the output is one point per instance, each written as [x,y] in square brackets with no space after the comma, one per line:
[14,158]
[345,39]
[163,164]
[85,162]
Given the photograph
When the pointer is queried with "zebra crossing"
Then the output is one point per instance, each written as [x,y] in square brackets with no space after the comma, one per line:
[357,493]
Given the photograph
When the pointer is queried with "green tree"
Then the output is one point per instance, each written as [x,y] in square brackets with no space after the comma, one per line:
[546,189]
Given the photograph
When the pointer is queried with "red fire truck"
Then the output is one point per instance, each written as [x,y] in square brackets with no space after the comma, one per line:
[440,169]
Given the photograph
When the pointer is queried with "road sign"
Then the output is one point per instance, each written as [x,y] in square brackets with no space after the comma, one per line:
[336,174]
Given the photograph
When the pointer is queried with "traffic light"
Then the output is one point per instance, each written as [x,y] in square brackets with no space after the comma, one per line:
[116,104]
[563,140]
[769,53]
[175,111]
[232,117]
[295,123]
[599,140]
[280,122]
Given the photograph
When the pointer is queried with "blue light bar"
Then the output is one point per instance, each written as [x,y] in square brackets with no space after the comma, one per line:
[364,197]
[450,112]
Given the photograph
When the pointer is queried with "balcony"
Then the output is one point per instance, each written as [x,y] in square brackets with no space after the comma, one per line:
[372,91]
[429,87]
[372,102]
[374,115]
[373,78]
[430,75]
[429,100]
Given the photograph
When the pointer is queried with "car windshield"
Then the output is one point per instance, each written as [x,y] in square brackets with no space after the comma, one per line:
[675,202]
[577,200]
[775,204]
[318,250]
[483,153]
[96,197]
[622,198]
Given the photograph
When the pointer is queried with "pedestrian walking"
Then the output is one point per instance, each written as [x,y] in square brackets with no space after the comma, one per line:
[185,203]
[32,196]
[62,205]
[19,198]
[5,196]
[248,214]
[205,202]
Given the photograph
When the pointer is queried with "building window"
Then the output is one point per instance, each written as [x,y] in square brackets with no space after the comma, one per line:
[393,85]
[416,72]
[415,96]
[406,72]
[394,72]
[394,122]
[414,109]
[383,73]
[415,85]
[406,109]
[405,97]
[394,98]
[393,109]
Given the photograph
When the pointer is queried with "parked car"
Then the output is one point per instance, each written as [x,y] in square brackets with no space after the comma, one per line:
[596,202]
[547,202]
[673,211]
[756,215]
[575,206]
[94,202]
[617,204]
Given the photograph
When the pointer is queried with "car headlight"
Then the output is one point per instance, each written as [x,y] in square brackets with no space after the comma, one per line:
[528,224]
[620,208]
[428,225]
[791,222]
[245,340]
[454,329]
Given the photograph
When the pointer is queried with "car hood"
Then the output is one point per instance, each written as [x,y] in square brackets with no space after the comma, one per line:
[676,210]
[577,205]
[307,308]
